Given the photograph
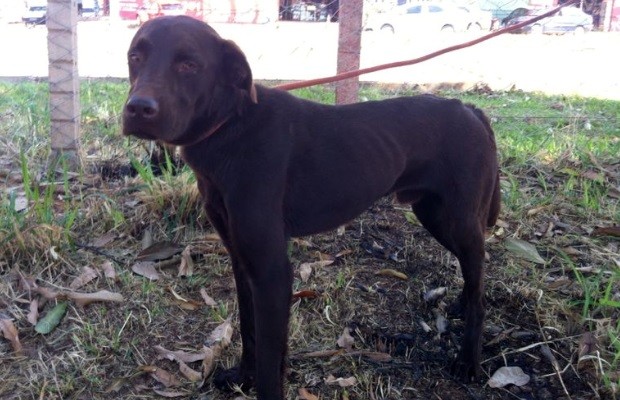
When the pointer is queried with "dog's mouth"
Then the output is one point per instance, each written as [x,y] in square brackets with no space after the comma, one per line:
[138,132]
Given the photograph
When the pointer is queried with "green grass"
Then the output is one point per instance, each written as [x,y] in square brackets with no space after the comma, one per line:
[560,181]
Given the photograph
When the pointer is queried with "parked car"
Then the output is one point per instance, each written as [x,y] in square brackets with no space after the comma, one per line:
[35,15]
[419,18]
[568,19]
[155,9]
[89,9]
[477,19]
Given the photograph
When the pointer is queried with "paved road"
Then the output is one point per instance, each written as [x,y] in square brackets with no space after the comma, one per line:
[587,65]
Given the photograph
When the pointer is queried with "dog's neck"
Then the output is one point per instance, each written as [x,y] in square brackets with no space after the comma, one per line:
[209,132]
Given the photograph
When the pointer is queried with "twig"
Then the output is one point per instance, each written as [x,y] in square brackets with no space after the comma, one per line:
[555,365]
[528,347]
[97,250]
[352,74]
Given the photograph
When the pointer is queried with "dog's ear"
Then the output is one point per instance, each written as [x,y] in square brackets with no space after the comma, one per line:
[237,70]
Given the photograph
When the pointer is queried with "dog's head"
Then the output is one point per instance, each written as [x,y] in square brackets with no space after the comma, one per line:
[185,81]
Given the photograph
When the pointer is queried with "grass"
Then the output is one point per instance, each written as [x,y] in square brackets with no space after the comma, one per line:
[560,183]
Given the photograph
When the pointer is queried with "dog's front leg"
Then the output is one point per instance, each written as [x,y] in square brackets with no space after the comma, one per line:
[258,239]
[244,374]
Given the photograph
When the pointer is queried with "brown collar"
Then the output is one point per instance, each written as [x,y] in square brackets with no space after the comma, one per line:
[208,132]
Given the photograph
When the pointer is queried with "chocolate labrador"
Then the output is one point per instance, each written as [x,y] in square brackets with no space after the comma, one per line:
[271,166]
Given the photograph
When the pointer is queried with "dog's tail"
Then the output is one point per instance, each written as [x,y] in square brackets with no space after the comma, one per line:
[496,197]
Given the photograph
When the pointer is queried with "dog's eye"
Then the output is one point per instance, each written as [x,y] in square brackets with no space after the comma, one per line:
[134,58]
[187,67]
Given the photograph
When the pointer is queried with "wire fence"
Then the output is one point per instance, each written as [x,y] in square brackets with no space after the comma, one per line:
[298,44]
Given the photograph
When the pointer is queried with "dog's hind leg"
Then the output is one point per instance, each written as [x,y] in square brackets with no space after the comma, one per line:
[461,232]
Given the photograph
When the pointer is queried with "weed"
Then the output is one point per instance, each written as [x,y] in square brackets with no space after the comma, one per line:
[559,181]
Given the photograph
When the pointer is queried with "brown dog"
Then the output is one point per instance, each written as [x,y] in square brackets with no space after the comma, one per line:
[271,166]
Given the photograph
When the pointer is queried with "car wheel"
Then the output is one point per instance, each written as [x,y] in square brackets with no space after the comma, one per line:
[475,27]
[536,29]
[579,30]
[387,28]
[447,29]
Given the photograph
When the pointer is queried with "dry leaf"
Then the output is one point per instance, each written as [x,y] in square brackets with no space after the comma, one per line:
[212,237]
[208,363]
[305,294]
[324,256]
[116,385]
[322,353]
[84,299]
[345,340]
[507,376]
[343,253]
[342,382]
[207,299]
[147,239]
[524,250]
[431,296]
[571,251]
[425,327]
[607,231]
[221,334]
[536,210]
[88,274]
[21,203]
[441,323]
[33,315]
[29,284]
[302,242]
[587,344]
[108,270]
[501,336]
[160,375]
[48,294]
[546,351]
[103,240]
[187,264]
[375,356]
[305,270]
[593,175]
[179,355]
[392,272]
[146,269]
[54,253]
[175,294]
[189,305]
[171,394]
[159,251]
[304,394]
[10,333]
[189,373]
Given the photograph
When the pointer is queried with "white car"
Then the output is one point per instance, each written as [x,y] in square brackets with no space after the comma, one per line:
[419,18]
[35,15]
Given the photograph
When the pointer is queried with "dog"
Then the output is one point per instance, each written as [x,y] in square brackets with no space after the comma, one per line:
[271,166]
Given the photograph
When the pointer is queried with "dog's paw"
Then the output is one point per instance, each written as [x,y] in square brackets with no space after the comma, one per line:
[465,371]
[232,378]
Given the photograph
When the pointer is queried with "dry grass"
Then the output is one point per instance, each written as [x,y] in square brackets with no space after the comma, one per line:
[558,320]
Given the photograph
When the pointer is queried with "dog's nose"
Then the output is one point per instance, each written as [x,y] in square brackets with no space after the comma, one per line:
[142,106]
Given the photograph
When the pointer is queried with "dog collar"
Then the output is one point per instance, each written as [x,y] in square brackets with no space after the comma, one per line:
[208,132]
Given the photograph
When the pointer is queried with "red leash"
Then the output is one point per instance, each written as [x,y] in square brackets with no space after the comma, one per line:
[352,74]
